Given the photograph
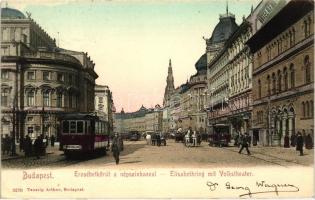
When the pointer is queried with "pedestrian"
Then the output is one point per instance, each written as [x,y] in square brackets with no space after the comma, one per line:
[299,143]
[52,140]
[38,146]
[158,139]
[27,146]
[115,148]
[148,138]
[286,141]
[244,143]
[293,140]
[308,142]
[21,144]
[2,144]
[6,144]
[46,141]
[236,137]
[42,145]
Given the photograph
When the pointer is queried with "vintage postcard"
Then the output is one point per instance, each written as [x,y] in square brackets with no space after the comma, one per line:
[157,99]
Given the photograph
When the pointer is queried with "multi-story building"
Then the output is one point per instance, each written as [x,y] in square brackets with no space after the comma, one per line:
[239,79]
[283,74]
[39,81]
[218,74]
[104,103]
[144,120]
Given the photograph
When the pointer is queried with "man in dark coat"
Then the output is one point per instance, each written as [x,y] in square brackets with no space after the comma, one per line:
[52,140]
[38,146]
[27,145]
[22,144]
[293,140]
[116,148]
[308,142]
[299,143]
[244,143]
[286,141]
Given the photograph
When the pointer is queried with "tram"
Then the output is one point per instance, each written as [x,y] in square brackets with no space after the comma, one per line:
[84,133]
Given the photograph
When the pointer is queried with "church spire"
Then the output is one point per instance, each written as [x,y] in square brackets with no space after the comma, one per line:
[227,7]
[169,89]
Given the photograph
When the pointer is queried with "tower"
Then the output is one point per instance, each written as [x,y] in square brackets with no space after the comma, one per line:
[169,89]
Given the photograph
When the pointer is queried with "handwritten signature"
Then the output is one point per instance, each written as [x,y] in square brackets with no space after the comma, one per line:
[263,188]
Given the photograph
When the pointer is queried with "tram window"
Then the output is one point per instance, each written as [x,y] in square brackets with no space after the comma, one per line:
[96,127]
[86,130]
[102,130]
[65,126]
[79,126]
[72,126]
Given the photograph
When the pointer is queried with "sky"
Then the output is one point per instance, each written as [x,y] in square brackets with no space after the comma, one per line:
[131,42]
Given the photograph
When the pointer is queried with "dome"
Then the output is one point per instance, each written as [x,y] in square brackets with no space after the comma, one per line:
[201,64]
[9,13]
[224,29]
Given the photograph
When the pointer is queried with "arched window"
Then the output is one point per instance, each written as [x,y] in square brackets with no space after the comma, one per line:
[273,83]
[279,80]
[305,28]
[307,67]
[59,99]
[30,98]
[285,78]
[292,76]
[46,98]
[268,83]
[259,89]
[303,109]
[307,107]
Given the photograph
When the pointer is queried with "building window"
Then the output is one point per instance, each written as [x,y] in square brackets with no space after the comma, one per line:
[30,119]
[303,109]
[59,99]
[307,27]
[259,89]
[60,77]
[5,74]
[46,75]
[4,97]
[46,98]
[292,76]
[100,99]
[279,80]
[307,67]
[285,78]
[31,75]
[30,98]
[273,83]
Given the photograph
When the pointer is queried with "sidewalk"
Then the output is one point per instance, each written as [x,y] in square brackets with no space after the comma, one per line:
[20,154]
[280,155]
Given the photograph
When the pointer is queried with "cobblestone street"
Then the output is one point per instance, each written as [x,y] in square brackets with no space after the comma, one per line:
[139,154]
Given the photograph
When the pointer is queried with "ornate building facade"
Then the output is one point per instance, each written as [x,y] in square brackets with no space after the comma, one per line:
[218,74]
[104,105]
[283,74]
[39,81]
